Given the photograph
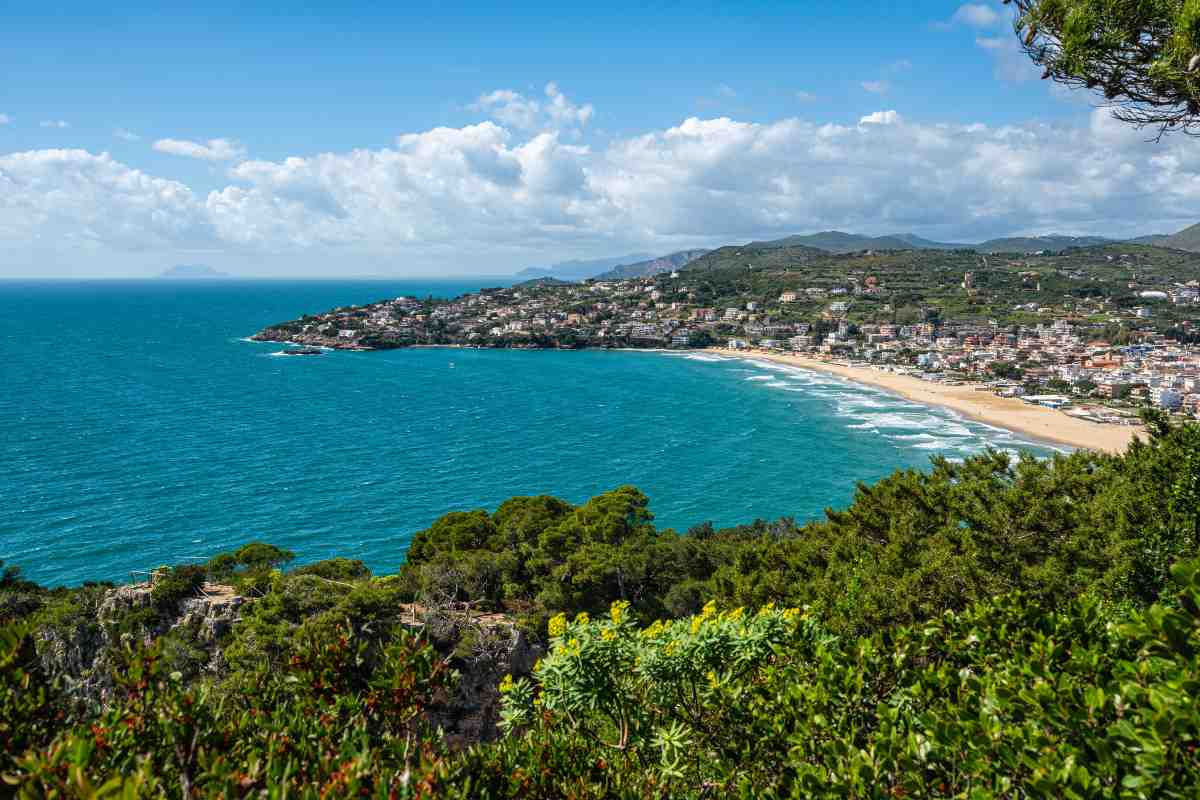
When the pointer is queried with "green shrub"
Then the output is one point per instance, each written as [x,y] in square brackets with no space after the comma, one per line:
[174,584]
[336,569]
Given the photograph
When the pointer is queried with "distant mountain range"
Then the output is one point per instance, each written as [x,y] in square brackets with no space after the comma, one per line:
[839,242]
[651,266]
[579,270]
[801,247]
[192,272]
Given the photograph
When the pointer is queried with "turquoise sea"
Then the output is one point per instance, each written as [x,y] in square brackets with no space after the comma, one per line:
[137,427]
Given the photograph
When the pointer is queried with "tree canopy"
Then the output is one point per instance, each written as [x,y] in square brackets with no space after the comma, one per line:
[1143,57]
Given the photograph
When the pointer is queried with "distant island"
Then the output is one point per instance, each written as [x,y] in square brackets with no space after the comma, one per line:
[192,272]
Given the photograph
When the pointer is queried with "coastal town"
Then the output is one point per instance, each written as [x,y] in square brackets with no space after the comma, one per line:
[1097,355]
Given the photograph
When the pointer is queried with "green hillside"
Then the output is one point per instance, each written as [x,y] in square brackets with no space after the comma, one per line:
[839,242]
[1032,244]
[912,285]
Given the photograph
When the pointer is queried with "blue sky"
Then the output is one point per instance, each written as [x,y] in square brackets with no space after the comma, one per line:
[267,141]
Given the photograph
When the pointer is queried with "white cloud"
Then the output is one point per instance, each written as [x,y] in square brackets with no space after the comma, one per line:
[75,198]
[876,87]
[976,15]
[128,136]
[445,185]
[510,108]
[214,150]
[54,123]
[518,111]
[449,195]
[563,112]
[880,118]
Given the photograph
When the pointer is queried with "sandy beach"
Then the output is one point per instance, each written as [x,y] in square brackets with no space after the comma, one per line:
[1003,412]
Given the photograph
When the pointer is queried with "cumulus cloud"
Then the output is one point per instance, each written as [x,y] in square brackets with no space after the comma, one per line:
[54,123]
[524,113]
[880,118]
[490,188]
[562,111]
[509,108]
[214,150]
[76,198]
[445,185]
[876,87]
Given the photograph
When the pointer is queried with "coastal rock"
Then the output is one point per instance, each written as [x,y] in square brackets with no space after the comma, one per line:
[485,649]
[80,647]
[211,616]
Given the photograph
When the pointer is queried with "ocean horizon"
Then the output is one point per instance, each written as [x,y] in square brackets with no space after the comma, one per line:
[140,427]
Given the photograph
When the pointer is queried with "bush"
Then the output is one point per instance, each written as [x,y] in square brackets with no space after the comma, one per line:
[336,569]
[171,585]
[1004,699]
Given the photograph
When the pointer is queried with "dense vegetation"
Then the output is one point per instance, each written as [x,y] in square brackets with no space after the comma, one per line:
[1089,284]
[986,628]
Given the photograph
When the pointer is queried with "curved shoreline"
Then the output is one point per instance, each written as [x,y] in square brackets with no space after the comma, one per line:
[1034,422]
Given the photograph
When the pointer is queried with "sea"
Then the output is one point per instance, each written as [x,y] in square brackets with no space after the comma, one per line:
[139,427]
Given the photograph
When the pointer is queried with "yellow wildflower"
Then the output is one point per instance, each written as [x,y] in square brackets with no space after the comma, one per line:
[506,685]
[712,678]
[558,624]
[582,618]
[710,608]
[696,623]
[608,635]
[573,646]
[767,609]
[617,611]
[735,614]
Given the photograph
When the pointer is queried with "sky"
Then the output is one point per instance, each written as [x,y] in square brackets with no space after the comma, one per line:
[445,139]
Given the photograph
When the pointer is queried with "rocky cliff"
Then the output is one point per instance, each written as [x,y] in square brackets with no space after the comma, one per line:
[82,646]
